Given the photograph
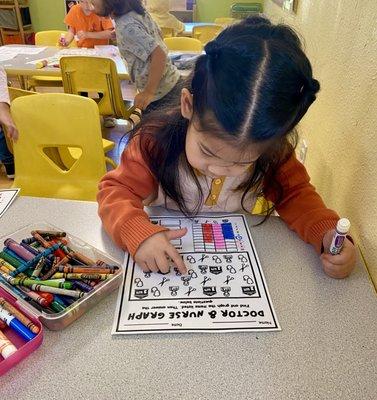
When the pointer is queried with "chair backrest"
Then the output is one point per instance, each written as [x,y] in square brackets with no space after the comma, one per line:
[167,32]
[51,121]
[15,93]
[225,21]
[95,74]
[206,33]
[183,44]
[50,38]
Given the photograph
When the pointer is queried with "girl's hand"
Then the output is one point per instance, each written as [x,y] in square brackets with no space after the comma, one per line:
[63,42]
[10,128]
[154,253]
[341,265]
[143,99]
[82,35]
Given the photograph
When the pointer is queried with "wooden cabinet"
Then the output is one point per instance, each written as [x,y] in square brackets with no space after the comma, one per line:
[15,21]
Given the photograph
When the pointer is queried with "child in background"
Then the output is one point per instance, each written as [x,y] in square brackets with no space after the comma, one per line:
[140,43]
[159,10]
[231,141]
[89,29]
[6,157]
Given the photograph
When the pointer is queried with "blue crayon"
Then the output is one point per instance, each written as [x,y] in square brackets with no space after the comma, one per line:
[32,262]
[16,325]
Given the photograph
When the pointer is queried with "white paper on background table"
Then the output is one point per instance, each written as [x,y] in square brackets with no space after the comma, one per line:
[224,290]
[7,196]
[10,52]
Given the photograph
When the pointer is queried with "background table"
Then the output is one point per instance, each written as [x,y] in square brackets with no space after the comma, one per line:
[326,350]
[19,65]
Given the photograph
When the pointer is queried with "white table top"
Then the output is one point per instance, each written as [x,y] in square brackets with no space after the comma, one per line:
[327,348]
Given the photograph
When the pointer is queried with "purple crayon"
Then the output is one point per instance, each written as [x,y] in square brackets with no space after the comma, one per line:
[19,250]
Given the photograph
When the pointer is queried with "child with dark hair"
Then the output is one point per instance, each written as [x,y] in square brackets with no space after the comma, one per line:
[141,44]
[231,141]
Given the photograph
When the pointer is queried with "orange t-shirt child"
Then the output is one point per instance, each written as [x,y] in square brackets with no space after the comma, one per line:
[78,21]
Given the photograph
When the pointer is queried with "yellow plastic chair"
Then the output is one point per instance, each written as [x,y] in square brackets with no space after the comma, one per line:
[167,32]
[48,38]
[65,157]
[225,21]
[63,121]
[206,33]
[183,44]
[99,75]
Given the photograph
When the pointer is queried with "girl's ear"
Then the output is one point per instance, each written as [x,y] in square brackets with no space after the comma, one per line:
[186,104]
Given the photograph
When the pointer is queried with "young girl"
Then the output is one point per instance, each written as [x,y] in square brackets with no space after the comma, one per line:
[231,141]
[159,10]
[89,29]
[140,43]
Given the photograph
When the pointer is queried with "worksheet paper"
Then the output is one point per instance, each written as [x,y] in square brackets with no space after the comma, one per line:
[223,291]
[7,196]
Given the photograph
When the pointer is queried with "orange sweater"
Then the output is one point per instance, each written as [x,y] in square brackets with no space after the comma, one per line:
[123,191]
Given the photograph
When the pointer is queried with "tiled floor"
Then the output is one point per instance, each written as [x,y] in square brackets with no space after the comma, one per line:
[118,134]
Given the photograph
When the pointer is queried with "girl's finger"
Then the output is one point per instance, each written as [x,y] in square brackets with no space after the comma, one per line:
[172,252]
[144,267]
[162,263]
[152,265]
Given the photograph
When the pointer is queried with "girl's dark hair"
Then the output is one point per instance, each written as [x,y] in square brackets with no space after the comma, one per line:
[253,85]
[121,7]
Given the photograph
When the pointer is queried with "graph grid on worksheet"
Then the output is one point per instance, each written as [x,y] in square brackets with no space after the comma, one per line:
[214,237]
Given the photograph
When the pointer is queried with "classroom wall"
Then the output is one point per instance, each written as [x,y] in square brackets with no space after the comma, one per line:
[341,126]
[47,14]
[208,10]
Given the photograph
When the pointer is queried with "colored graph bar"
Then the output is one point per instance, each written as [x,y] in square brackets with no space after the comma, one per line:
[218,236]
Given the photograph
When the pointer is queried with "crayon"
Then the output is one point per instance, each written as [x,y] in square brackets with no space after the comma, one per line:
[29,248]
[48,296]
[10,259]
[57,307]
[30,282]
[36,296]
[86,270]
[7,348]
[28,241]
[80,276]
[19,250]
[38,269]
[81,285]
[3,325]
[16,325]
[18,314]
[86,260]
[64,292]
[51,233]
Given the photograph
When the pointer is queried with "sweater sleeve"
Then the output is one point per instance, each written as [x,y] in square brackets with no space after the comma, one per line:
[301,208]
[120,200]
[4,95]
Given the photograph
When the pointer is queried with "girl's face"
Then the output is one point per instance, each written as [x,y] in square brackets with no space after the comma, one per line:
[211,155]
[86,6]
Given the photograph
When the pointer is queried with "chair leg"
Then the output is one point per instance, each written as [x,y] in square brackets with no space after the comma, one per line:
[110,161]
